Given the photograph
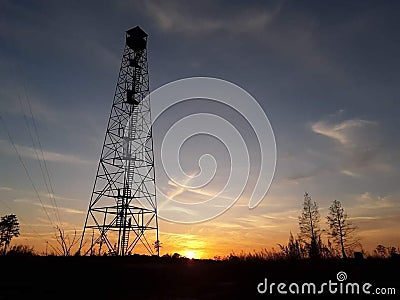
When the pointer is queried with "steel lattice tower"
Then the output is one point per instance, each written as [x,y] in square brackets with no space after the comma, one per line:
[122,212]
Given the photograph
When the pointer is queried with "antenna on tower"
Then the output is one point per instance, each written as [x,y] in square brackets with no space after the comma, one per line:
[123,207]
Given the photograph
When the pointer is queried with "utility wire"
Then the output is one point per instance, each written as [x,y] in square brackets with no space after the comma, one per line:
[24,166]
[42,162]
[26,170]
[36,154]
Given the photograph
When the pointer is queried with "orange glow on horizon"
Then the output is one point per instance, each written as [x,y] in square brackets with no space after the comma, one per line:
[190,254]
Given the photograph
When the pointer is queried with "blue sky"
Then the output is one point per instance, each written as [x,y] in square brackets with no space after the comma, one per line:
[326,74]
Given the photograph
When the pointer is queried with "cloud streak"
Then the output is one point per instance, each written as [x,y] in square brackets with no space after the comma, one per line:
[30,153]
[173,17]
[62,209]
[5,188]
[341,132]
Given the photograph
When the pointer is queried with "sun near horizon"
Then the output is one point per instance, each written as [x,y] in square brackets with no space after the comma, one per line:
[191,254]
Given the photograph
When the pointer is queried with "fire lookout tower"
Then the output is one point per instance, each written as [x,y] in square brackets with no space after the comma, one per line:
[122,213]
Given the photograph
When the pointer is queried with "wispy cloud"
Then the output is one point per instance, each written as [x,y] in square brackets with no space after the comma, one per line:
[5,188]
[61,209]
[60,198]
[341,132]
[357,149]
[165,207]
[264,22]
[173,16]
[350,173]
[364,218]
[29,152]
[199,194]
[373,201]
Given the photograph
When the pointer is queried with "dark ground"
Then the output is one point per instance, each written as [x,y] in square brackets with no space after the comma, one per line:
[165,278]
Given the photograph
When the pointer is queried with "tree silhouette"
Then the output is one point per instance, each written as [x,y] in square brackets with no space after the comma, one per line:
[65,242]
[381,251]
[9,228]
[340,229]
[157,246]
[310,233]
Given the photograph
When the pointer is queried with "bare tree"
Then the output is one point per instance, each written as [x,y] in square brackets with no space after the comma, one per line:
[65,242]
[9,228]
[310,233]
[340,229]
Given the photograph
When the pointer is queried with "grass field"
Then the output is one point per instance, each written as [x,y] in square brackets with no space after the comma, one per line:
[141,277]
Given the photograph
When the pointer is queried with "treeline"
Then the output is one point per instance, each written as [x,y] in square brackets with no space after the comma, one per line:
[338,239]
[340,234]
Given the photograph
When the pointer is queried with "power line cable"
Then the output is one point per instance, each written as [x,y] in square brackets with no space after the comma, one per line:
[37,155]
[26,169]
[42,161]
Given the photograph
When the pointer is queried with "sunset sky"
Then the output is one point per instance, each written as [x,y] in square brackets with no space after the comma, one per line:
[326,73]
